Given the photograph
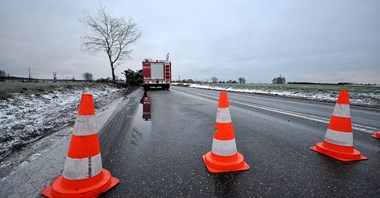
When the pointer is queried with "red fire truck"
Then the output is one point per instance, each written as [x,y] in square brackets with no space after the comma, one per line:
[157,73]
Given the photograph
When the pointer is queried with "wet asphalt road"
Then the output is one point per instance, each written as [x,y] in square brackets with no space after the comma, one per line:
[162,157]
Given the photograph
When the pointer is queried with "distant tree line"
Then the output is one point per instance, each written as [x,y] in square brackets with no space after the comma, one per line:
[339,83]
[132,78]
[241,80]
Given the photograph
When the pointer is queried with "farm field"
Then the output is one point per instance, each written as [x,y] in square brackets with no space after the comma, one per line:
[360,95]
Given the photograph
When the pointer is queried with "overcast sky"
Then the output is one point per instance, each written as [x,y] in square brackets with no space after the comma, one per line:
[303,40]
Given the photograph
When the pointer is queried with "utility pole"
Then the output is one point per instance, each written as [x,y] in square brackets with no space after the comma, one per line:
[179,77]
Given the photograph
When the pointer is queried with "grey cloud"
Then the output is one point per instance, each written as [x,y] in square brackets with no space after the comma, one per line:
[319,41]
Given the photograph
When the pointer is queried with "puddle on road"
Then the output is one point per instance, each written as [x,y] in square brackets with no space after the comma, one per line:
[142,125]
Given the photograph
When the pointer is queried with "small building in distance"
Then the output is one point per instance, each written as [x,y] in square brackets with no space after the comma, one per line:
[279,80]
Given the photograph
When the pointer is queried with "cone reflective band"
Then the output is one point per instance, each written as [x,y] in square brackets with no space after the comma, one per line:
[223,156]
[83,174]
[338,142]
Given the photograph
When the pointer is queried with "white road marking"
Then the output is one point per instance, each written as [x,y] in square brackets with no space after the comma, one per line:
[358,127]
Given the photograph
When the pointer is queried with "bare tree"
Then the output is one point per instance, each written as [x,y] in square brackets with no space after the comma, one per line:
[214,79]
[2,74]
[87,76]
[113,35]
[242,80]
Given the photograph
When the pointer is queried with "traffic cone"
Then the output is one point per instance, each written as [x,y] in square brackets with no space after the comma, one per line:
[376,135]
[338,142]
[83,174]
[223,156]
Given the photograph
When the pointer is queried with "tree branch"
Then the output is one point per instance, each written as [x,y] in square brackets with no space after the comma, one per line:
[110,34]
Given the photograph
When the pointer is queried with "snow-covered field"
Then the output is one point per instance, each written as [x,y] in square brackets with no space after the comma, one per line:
[367,96]
[34,113]
[39,164]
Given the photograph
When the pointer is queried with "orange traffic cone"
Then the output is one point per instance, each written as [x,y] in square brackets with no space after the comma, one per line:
[223,156]
[338,141]
[376,135]
[83,174]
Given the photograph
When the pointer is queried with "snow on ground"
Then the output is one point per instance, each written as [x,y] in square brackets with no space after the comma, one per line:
[31,115]
[47,157]
[367,99]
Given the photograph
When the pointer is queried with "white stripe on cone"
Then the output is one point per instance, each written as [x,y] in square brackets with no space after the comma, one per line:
[339,138]
[85,125]
[223,115]
[82,168]
[224,147]
[342,110]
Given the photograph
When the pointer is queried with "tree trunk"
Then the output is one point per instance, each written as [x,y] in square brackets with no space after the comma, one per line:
[111,64]
[113,72]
